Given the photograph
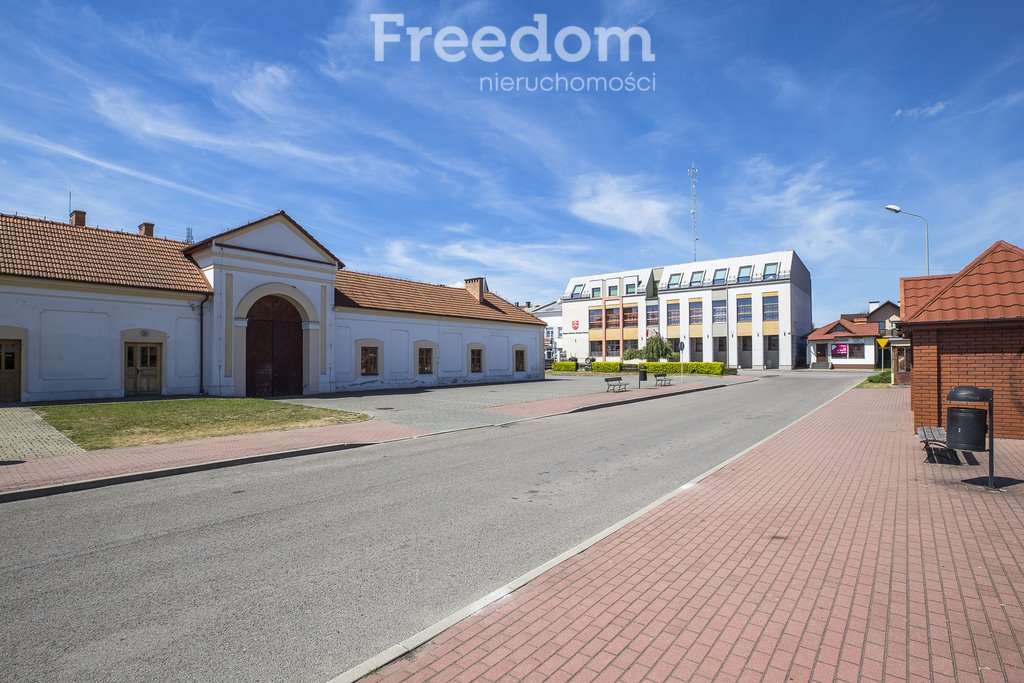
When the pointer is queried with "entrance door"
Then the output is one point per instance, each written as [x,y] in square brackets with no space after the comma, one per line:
[10,370]
[142,369]
[273,348]
[821,353]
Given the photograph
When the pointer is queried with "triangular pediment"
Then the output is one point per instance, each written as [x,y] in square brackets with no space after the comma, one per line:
[276,235]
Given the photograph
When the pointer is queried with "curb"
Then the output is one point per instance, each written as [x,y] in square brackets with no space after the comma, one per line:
[100,482]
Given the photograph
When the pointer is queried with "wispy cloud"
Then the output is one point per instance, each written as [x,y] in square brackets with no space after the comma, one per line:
[926,112]
[626,203]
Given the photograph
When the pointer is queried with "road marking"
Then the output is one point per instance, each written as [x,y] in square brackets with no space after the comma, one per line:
[436,629]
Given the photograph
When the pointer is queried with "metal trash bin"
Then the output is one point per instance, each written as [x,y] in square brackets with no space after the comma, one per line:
[966,429]
[643,373]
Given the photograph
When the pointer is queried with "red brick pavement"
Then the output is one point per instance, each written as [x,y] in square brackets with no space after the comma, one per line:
[564,404]
[120,461]
[830,552]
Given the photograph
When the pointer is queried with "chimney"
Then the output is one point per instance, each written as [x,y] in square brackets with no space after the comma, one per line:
[872,305]
[77,218]
[476,286]
[146,229]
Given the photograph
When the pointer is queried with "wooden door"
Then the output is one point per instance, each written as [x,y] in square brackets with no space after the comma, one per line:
[273,348]
[10,370]
[142,369]
[821,353]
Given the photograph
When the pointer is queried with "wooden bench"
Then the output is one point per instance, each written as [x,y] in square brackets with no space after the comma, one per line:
[614,384]
[662,380]
[933,437]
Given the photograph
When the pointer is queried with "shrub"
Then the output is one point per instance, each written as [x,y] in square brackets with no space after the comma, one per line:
[883,377]
[669,368]
[728,371]
[606,366]
[633,354]
[564,366]
[706,369]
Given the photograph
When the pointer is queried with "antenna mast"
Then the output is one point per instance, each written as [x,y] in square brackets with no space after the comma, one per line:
[693,207]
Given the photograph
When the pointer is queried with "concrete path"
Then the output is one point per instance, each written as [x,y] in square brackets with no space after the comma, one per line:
[828,552]
[26,436]
[421,413]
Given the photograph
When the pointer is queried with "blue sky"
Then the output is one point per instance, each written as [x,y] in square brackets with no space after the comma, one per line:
[804,120]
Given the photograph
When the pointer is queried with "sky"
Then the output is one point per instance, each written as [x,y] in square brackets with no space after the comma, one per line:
[803,119]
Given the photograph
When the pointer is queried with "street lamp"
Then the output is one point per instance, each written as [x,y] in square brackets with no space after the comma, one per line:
[896,209]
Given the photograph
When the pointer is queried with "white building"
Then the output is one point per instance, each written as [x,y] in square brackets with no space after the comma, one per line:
[748,311]
[551,314]
[259,310]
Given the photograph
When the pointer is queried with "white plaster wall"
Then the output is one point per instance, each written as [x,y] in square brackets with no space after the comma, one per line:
[453,337]
[74,348]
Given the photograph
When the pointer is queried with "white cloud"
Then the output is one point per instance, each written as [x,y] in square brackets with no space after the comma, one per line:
[927,111]
[626,203]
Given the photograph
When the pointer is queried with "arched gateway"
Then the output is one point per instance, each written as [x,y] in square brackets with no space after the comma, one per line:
[273,348]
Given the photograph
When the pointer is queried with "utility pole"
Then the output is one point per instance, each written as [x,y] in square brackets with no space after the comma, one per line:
[693,207]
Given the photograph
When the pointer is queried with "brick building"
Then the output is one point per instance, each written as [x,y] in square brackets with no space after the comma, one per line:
[968,329]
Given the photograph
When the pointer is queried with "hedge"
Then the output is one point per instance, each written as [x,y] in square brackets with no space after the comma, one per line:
[564,366]
[609,366]
[728,371]
[704,368]
[668,368]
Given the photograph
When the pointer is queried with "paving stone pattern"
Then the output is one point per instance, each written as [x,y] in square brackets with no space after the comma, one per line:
[831,552]
[26,436]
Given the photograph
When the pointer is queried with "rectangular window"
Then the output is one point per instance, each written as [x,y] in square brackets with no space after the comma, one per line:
[771,307]
[697,278]
[697,344]
[595,348]
[771,271]
[559,332]
[595,319]
[856,351]
[613,347]
[520,360]
[612,318]
[744,274]
[613,290]
[368,360]
[476,360]
[840,350]
[549,333]
[719,311]
[745,343]
[744,310]
[577,291]
[721,344]
[426,361]
[772,342]
[720,276]
[696,313]
[674,341]
[630,316]
[631,344]
[673,280]
[652,315]
[673,313]
[631,289]
[595,293]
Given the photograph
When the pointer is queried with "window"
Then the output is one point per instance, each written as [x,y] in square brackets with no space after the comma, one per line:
[426,361]
[630,316]
[612,318]
[613,347]
[719,311]
[771,271]
[772,342]
[696,313]
[476,360]
[577,291]
[549,333]
[652,315]
[674,341]
[856,351]
[697,345]
[595,293]
[840,350]
[745,344]
[520,360]
[721,344]
[720,276]
[631,288]
[673,280]
[673,313]
[368,356]
[744,274]
[613,290]
[559,332]
[697,278]
[596,349]
[771,307]
[631,344]
[744,310]
[595,319]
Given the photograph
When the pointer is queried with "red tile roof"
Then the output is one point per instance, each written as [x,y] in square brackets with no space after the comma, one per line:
[851,329]
[362,290]
[991,287]
[916,291]
[34,247]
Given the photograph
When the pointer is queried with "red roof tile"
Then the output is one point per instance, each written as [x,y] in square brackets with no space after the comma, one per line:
[362,290]
[849,329]
[33,247]
[916,291]
[991,287]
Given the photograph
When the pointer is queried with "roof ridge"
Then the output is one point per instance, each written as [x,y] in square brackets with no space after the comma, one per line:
[95,228]
[955,278]
[399,279]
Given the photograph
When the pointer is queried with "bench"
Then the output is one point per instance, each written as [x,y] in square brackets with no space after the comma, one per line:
[662,380]
[932,437]
[614,384]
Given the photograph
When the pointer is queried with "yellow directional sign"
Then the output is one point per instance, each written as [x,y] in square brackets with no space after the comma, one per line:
[882,342]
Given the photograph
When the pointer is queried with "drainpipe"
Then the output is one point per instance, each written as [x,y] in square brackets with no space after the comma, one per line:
[202,370]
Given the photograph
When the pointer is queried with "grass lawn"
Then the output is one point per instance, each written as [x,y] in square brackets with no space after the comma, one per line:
[144,423]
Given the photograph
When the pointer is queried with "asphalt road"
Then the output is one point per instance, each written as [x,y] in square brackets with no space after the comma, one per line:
[300,569]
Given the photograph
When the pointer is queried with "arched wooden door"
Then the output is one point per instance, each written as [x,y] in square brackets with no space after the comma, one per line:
[273,348]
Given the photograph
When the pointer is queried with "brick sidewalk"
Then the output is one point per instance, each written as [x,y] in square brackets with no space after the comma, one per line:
[830,552]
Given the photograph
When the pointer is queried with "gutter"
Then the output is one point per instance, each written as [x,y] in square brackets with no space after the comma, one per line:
[202,370]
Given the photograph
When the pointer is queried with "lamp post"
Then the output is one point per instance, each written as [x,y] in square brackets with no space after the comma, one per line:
[927,263]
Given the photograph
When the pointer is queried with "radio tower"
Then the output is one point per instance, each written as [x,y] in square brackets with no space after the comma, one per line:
[693,207]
